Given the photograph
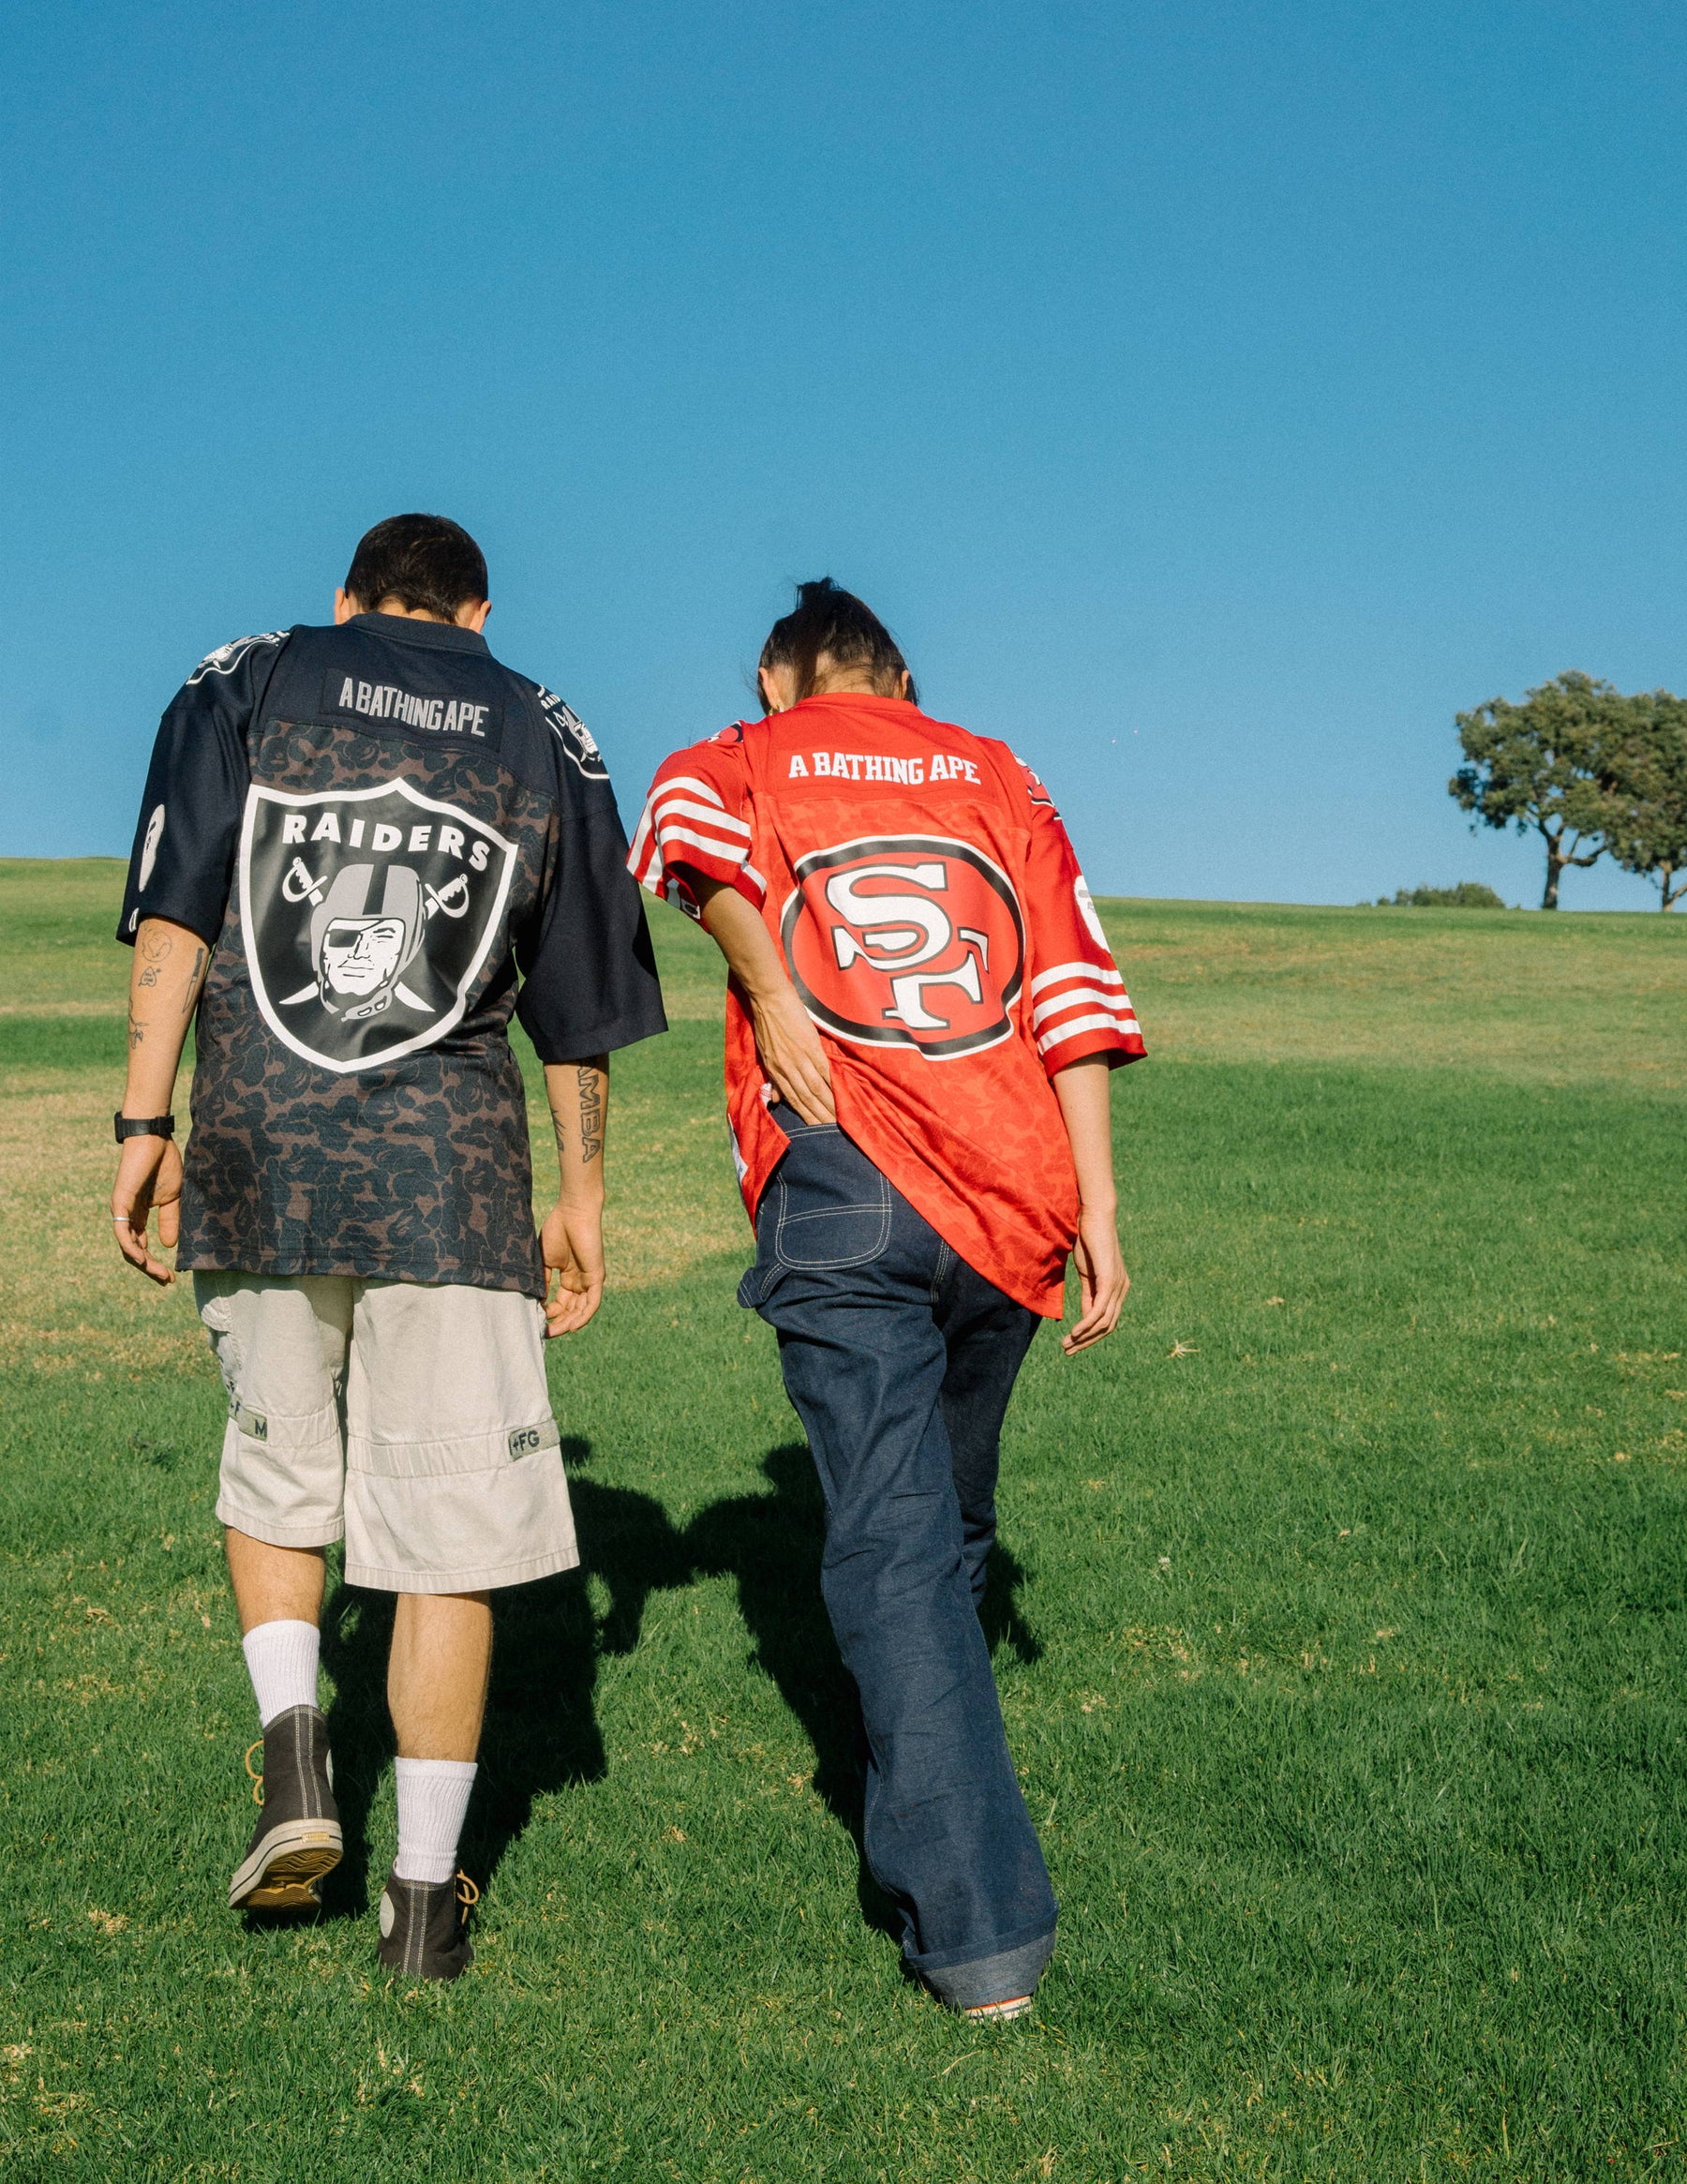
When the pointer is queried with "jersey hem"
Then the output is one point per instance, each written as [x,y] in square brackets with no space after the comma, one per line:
[928,1198]
[278,1263]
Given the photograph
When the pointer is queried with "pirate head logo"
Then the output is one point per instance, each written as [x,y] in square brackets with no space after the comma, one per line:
[368,914]
[906,940]
[362,950]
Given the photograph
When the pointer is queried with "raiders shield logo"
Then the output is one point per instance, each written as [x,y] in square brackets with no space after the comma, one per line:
[906,940]
[368,914]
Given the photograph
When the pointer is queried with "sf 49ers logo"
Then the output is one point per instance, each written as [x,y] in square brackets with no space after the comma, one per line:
[905,940]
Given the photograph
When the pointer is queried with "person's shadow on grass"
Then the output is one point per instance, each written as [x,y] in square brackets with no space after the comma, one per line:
[771,1544]
[540,1730]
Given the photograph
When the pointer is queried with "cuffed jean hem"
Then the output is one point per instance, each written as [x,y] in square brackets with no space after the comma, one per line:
[1001,1978]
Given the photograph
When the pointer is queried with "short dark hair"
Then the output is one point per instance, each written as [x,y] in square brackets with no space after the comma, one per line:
[830,624]
[426,563]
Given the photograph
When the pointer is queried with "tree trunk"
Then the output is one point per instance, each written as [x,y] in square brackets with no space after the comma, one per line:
[1555,864]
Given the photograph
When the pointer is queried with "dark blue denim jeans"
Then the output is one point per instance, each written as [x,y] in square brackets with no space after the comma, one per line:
[900,1359]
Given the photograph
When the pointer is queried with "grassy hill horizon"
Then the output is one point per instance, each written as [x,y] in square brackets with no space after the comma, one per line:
[1339,1622]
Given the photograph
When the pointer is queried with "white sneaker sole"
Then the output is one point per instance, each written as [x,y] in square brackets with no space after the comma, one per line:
[282,1873]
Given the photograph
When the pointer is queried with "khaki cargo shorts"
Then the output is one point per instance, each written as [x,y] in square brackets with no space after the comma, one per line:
[410,1418]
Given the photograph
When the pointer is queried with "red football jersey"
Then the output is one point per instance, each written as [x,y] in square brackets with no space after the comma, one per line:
[930,912]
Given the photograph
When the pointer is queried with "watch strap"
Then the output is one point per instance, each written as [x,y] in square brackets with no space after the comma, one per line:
[143,1125]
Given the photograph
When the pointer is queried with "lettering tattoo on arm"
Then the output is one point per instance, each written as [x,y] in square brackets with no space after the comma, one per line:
[578,1093]
[591,1114]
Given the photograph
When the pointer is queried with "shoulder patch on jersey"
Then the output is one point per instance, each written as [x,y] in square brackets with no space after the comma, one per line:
[149,845]
[1033,782]
[735,734]
[228,657]
[571,732]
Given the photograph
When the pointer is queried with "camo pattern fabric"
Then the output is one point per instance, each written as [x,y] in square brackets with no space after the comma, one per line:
[422,1166]
[373,883]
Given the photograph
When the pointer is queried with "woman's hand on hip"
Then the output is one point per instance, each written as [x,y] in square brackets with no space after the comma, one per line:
[792,1054]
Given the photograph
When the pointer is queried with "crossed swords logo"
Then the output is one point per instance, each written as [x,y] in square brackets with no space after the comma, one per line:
[452,899]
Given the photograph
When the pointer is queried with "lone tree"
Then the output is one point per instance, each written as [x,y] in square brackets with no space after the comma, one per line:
[1647,782]
[1546,765]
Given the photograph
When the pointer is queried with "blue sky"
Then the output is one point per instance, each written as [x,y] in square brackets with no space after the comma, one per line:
[1213,398]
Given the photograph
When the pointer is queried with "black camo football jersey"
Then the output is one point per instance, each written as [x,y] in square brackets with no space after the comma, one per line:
[390,840]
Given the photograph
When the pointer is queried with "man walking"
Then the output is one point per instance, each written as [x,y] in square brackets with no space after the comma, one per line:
[352,840]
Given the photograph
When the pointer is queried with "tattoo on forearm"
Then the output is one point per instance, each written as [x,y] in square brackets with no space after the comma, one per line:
[156,946]
[591,1115]
[137,1033]
[148,978]
[193,983]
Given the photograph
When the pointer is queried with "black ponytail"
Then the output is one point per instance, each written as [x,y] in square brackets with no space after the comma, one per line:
[832,625]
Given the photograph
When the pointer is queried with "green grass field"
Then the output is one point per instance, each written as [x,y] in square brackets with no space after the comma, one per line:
[1340,1623]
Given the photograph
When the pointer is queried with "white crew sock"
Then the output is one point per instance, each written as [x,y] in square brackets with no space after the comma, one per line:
[282,1659]
[433,1799]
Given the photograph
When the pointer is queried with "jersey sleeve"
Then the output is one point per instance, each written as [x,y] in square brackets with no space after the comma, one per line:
[188,831]
[697,821]
[588,972]
[1078,1002]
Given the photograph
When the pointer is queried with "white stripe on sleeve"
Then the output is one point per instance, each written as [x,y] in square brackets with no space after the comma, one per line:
[641,834]
[1075,997]
[1124,1024]
[733,853]
[649,874]
[662,803]
[1104,972]
[688,781]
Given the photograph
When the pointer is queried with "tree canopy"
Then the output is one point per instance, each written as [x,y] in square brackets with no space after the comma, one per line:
[1546,765]
[1646,780]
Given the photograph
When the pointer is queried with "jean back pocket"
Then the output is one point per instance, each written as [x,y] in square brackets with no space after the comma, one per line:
[831,1206]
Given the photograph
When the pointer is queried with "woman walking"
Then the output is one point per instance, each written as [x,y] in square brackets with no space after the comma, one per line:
[922,1018]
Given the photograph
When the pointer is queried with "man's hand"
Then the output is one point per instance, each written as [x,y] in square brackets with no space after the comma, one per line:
[149,1180]
[1102,1281]
[165,977]
[792,1054]
[572,1240]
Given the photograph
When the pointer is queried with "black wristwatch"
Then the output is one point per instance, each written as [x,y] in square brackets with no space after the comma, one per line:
[145,1126]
